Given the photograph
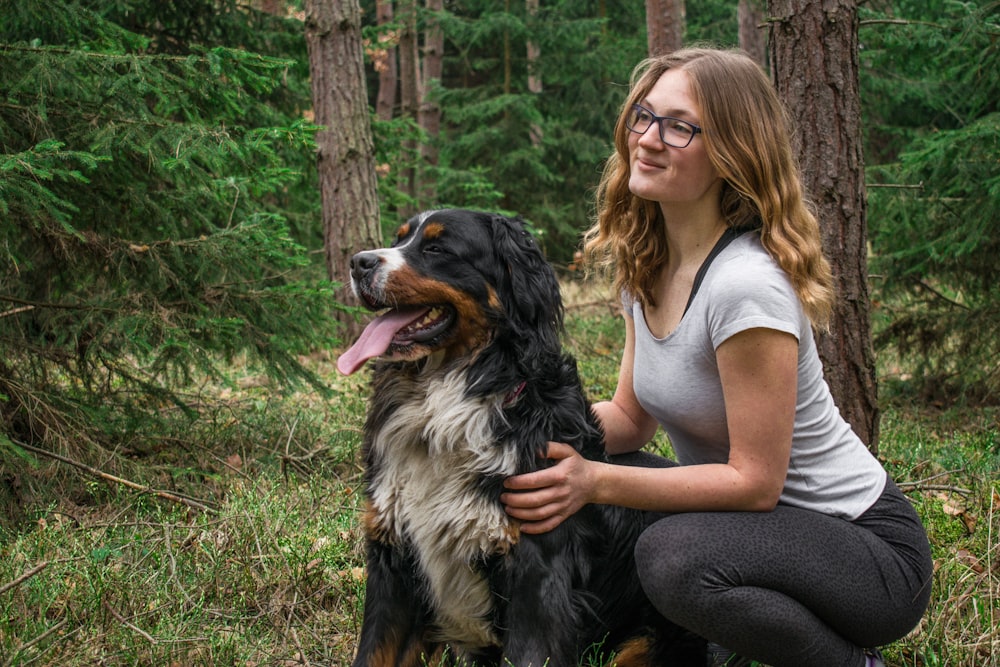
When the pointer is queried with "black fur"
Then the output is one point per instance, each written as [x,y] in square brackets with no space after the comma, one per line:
[551,597]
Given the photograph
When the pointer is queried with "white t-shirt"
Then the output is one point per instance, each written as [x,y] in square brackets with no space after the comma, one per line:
[676,380]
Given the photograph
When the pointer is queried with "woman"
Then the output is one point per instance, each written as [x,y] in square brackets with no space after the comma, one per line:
[783,540]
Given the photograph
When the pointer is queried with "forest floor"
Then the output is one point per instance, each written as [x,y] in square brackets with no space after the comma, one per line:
[236,540]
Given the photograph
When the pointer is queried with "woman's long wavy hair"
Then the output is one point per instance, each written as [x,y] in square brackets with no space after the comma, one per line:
[747,137]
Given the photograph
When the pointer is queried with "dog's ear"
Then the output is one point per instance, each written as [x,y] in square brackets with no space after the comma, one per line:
[528,329]
[528,285]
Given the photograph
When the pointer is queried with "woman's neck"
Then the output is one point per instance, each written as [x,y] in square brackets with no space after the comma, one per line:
[691,234]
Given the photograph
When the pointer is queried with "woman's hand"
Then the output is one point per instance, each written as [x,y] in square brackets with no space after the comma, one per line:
[545,498]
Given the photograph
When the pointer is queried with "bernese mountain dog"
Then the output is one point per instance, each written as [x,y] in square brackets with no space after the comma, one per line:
[469,384]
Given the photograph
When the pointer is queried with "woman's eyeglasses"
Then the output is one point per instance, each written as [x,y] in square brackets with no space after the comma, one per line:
[673,131]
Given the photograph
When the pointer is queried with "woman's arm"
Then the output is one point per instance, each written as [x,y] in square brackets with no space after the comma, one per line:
[627,426]
[759,373]
[758,369]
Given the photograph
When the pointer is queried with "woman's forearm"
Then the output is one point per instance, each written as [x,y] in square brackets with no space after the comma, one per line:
[622,433]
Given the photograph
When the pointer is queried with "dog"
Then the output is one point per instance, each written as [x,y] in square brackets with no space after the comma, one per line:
[469,384]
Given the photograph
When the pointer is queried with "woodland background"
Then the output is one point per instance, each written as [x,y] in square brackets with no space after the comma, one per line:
[167,300]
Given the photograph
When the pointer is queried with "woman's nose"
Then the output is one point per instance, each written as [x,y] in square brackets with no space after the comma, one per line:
[650,139]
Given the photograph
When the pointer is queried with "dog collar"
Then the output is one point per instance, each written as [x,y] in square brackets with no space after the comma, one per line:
[513,394]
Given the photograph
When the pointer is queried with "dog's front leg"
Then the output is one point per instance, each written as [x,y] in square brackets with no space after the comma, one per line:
[393,630]
[541,620]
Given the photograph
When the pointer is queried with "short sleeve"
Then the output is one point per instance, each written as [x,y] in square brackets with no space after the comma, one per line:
[752,295]
[628,303]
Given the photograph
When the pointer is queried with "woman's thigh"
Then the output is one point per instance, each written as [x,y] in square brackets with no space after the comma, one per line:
[774,564]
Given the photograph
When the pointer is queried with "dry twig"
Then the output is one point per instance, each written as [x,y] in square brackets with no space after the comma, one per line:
[925,485]
[131,626]
[165,495]
[935,487]
[40,638]
[24,577]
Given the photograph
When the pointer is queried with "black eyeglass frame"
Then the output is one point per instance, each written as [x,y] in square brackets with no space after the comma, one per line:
[658,120]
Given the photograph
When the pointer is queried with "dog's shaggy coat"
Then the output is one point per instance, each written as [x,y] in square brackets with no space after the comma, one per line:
[469,385]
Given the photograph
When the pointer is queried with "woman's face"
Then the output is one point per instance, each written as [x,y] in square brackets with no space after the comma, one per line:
[663,173]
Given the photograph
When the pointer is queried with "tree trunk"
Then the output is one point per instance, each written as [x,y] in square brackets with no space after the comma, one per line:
[273,7]
[409,88]
[534,59]
[750,14]
[346,156]
[507,55]
[664,26]
[385,64]
[814,59]
[430,111]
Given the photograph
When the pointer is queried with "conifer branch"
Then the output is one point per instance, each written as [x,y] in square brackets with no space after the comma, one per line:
[937,293]
[31,305]
[156,239]
[152,57]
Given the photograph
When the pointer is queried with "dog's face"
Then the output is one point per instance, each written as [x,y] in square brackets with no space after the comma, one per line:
[451,283]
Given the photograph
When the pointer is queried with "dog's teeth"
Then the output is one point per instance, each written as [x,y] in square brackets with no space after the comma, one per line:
[431,315]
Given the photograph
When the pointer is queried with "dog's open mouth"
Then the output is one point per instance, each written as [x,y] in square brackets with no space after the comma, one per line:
[395,332]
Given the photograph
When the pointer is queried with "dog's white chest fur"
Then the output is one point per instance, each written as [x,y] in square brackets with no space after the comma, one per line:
[433,452]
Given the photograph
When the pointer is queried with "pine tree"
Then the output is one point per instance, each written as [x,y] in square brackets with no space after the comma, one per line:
[156,193]
[504,146]
[934,136]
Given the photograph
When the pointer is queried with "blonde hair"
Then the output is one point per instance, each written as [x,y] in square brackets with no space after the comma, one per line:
[747,138]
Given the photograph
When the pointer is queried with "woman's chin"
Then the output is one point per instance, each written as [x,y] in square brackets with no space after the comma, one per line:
[642,188]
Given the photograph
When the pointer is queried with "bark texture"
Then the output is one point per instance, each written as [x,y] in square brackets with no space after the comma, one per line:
[664,26]
[345,152]
[814,60]
[753,38]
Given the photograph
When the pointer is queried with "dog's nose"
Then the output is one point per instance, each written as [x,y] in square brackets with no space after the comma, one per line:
[362,263]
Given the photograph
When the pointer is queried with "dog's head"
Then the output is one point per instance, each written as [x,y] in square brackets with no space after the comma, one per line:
[454,283]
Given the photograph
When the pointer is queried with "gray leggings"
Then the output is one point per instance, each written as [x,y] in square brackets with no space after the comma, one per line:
[791,587]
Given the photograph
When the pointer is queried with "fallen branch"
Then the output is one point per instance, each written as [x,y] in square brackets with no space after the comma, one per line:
[302,654]
[919,486]
[159,493]
[925,484]
[24,577]
[40,638]
[15,311]
[131,626]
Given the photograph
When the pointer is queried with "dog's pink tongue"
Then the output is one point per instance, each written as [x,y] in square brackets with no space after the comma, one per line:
[376,337]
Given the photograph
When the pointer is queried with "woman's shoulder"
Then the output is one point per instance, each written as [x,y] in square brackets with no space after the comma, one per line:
[745,262]
[747,289]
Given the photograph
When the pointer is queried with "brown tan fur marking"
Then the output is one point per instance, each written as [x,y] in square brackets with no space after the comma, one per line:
[636,652]
[433,230]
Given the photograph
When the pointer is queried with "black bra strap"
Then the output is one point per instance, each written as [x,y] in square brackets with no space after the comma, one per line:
[728,236]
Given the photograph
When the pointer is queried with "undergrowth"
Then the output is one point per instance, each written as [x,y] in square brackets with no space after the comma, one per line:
[267,566]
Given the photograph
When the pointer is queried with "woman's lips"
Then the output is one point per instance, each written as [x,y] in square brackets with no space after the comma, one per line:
[647,164]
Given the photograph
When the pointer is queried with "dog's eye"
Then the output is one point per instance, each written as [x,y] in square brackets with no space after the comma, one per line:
[433,249]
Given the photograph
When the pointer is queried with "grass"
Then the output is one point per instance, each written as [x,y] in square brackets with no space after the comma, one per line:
[97,573]
[948,463]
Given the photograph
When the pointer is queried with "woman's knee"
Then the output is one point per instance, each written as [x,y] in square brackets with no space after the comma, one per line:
[671,564]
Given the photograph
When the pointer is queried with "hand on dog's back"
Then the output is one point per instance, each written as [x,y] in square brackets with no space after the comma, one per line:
[543,499]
